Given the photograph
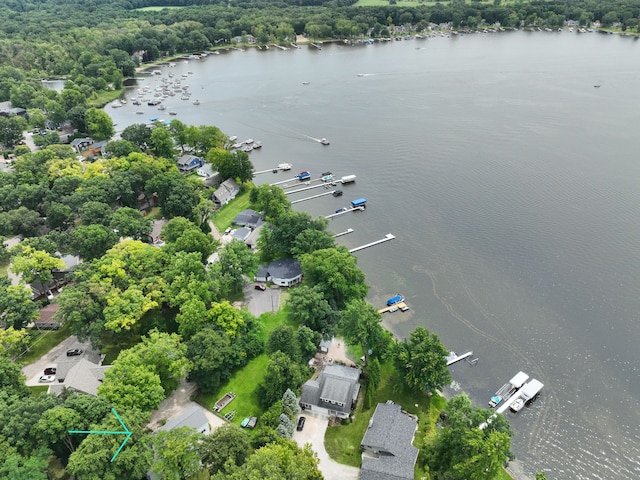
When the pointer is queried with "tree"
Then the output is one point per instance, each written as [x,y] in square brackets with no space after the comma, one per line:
[281,374]
[12,341]
[541,476]
[131,386]
[11,130]
[54,425]
[176,453]
[290,404]
[36,265]
[125,309]
[308,341]
[18,467]
[281,460]
[236,262]
[311,240]
[176,198]
[227,447]
[227,318]
[209,351]
[161,143]
[288,226]
[360,323]
[96,213]
[120,148]
[129,222]
[269,199]
[92,241]
[335,271]
[99,124]
[421,362]
[11,378]
[17,309]
[24,221]
[234,164]
[59,216]
[307,306]
[138,134]
[282,339]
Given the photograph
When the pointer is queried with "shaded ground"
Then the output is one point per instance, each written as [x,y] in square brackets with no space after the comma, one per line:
[313,433]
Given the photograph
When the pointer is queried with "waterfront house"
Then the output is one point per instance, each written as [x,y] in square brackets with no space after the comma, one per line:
[226,192]
[334,393]
[189,163]
[285,272]
[81,144]
[248,218]
[387,446]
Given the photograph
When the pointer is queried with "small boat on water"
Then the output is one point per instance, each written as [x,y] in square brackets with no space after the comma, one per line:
[173,113]
[257,145]
[306,83]
[197,102]
[324,141]
[508,389]
[233,138]
[139,112]
[284,166]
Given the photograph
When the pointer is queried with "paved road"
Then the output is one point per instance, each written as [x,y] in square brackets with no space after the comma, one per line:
[313,433]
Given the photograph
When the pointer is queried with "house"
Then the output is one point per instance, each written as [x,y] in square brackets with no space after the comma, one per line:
[96,149]
[387,446]
[60,278]
[156,230]
[83,375]
[46,319]
[285,272]
[248,218]
[226,192]
[81,144]
[248,38]
[333,393]
[189,163]
[193,417]
[205,171]
[10,112]
[241,234]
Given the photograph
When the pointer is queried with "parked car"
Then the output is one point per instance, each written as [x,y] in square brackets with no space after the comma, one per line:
[50,371]
[300,425]
[74,352]
[47,378]
[260,286]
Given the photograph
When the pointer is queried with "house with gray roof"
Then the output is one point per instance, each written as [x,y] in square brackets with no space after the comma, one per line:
[285,272]
[192,417]
[81,374]
[226,192]
[81,144]
[189,163]
[241,234]
[334,393]
[248,218]
[387,446]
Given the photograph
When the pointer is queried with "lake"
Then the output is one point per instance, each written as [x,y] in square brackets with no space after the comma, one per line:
[512,187]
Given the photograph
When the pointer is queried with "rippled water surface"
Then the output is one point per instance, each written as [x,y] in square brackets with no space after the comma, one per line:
[512,187]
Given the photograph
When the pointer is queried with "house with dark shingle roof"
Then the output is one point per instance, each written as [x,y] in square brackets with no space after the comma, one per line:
[248,218]
[285,272]
[189,163]
[387,446]
[226,192]
[333,393]
[81,144]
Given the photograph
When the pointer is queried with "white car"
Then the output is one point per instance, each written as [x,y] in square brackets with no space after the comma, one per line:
[47,378]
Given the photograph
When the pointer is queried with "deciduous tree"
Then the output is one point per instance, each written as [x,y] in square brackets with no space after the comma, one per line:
[99,124]
[225,448]
[36,265]
[176,453]
[308,306]
[360,323]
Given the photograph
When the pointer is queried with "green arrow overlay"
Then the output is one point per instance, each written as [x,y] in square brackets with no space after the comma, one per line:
[126,432]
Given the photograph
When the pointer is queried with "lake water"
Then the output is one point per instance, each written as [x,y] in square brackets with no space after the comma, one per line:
[512,187]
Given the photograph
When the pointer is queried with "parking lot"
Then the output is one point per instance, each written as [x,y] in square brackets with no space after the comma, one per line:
[57,354]
[313,432]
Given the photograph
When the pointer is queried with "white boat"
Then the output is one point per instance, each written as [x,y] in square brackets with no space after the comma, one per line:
[324,141]
[162,107]
[116,104]
[197,102]
[284,166]
[528,392]
[306,83]
[249,141]
[257,145]
[233,138]
[508,389]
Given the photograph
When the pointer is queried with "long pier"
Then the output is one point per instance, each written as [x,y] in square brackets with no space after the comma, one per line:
[285,181]
[454,358]
[313,196]
[346,232]
[307,188]
[354,209]
[386,238]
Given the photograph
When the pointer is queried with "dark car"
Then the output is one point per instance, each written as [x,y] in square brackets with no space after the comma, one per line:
[50,371]
[259,286]
[300,425]
[74,352]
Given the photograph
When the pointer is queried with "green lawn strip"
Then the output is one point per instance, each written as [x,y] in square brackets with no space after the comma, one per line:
[223,218]
[38,389]
[4,267]
[41,341]
[101,98]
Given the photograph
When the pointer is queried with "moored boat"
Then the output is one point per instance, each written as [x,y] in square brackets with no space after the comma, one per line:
[508,389]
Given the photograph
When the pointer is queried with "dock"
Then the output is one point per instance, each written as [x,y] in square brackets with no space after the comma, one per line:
[346,232]
[284,181]
[313,196]
[453,357]
[386,238]
[345,211]
[395,307]
[304,188]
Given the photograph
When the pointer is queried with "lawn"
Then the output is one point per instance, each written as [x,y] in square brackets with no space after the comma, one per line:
[245,381]
[41,341]
[38,389]
[223,218]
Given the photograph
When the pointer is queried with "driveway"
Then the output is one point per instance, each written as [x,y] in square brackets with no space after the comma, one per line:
[52,358]
[313,433]
[259,301]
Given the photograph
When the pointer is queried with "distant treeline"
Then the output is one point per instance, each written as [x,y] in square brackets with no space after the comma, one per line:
[84,39]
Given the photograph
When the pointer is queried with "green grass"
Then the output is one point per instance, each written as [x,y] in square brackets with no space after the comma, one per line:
[38,389]
[223,218]
[4,266]
[41,341]
[245,381]
[343,442]
[102,98]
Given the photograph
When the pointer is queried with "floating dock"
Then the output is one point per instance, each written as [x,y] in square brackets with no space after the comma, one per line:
[403,307]
[508,389]
[346,210]
[453,357]
[306,188]
[386,238]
